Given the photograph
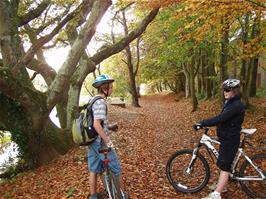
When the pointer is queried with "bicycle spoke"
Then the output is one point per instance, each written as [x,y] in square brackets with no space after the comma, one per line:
[186,179]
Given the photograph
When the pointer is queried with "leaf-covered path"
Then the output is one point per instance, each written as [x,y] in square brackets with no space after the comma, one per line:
[147,136]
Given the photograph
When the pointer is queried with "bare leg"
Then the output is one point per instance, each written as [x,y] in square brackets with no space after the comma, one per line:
[223,179]
[93,185]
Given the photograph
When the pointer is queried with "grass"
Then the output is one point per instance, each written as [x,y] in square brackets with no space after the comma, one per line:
[261,93]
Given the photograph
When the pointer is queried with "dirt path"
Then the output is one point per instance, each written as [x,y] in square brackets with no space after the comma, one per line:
[147,137]
[161,127]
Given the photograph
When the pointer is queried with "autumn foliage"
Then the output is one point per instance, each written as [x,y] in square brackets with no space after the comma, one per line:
[147,136]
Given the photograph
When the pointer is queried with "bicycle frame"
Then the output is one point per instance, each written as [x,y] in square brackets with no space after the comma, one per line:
[106,178]
[207,142]
[241,152]
[109,183]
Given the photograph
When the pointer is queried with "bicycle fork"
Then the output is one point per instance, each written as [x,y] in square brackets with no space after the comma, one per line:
[192,161]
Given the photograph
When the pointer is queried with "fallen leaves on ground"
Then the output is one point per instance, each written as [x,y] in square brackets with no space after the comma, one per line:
[146,138]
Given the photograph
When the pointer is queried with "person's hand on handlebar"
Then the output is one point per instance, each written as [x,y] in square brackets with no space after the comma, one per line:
[197,126]
[110,144]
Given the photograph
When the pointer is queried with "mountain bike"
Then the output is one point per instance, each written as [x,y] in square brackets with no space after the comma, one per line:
[110,181]
[188,170]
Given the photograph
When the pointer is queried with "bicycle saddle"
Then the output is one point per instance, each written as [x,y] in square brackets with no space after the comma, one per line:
[248,131]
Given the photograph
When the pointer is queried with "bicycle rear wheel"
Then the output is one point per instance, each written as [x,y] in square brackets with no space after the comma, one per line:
[185,182]
[255,189]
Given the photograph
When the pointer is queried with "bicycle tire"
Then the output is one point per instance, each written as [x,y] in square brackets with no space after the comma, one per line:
[254,189]
[115,187]
[175,170]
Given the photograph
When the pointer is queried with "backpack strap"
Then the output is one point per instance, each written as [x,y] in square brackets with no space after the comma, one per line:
[93,101]
[90,104]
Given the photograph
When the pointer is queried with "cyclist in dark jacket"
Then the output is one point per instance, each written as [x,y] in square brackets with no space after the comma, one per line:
[228,124]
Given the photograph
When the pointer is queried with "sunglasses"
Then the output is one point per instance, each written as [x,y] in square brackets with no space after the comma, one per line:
[227,90]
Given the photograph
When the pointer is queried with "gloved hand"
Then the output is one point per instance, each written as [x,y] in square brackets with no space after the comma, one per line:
[197,126]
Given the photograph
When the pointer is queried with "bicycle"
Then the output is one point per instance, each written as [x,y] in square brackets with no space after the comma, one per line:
[108,178]
[188,170]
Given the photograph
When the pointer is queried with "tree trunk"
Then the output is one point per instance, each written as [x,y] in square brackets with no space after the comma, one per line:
[37,146]
[192,85]
[132,80]
[244,65]
[254,61]
[224,58]
[244,82]
[187,80]
[193,92]
[208,80]
[47,144]
[132,74]
[253,78]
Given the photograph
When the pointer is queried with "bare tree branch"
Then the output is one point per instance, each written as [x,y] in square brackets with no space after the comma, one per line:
[46,71]
[120,45]
[124,61]
[77,50]
[33,76]
[138,56]
[32,14]
[43,40]
[56,19]
[54,44]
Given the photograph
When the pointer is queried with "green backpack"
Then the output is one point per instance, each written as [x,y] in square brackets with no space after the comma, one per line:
[83,131]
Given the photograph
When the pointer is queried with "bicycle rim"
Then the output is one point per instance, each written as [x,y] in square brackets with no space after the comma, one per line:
[176,168]
[255,189]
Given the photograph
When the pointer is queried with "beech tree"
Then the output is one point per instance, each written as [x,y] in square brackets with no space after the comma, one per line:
[26,29]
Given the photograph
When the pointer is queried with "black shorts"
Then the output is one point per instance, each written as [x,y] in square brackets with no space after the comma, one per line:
[227,153]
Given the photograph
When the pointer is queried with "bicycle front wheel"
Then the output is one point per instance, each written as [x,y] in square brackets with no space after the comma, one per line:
[116,191]
[254,188]
[183,181]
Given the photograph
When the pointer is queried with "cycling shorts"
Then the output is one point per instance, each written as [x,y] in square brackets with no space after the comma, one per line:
[227,153]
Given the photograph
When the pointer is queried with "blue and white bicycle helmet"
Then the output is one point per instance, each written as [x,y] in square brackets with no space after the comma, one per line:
[231,83]
[102,79]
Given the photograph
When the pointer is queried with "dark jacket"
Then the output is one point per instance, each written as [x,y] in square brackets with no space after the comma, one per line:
[229,121]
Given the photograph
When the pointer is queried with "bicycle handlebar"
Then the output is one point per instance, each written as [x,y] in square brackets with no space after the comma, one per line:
[206,129]
[105,150]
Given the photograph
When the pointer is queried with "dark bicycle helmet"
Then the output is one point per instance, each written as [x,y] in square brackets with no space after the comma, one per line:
[102,79]
[231,83]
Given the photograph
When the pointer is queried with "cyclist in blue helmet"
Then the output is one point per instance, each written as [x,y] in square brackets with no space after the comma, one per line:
[228,124]
[104,85]
[102,82]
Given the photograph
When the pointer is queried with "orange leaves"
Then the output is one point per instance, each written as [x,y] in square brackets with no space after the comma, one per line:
[146,138]
[252,48]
